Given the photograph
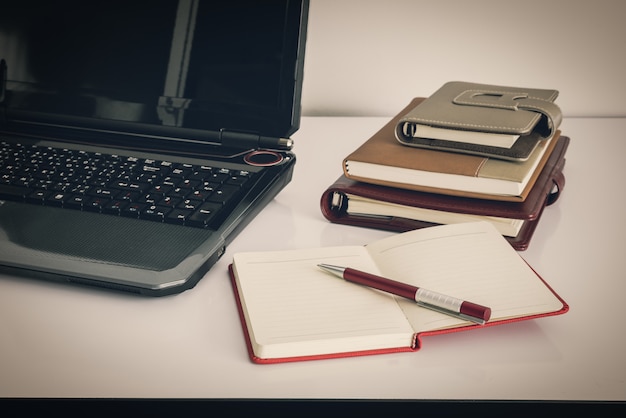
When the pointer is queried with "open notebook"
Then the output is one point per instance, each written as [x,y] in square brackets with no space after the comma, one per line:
[138,138]
[291,310]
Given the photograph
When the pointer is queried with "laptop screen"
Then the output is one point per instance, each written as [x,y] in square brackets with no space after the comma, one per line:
[185,65]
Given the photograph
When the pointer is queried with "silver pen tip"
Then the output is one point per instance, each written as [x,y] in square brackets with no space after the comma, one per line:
[336,270]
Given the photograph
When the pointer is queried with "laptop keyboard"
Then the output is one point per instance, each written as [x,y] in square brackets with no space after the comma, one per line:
[161,191]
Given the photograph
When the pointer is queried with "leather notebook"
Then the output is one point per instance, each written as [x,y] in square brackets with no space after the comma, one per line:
[383,160]
[547,189]
[495,121]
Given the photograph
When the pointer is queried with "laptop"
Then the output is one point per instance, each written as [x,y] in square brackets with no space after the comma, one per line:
[137,139]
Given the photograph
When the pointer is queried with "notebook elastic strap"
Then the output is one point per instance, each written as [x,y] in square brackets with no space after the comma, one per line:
[515,101]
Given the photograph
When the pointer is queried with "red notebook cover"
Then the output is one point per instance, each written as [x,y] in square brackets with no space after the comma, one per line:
[417,340]
[545,192]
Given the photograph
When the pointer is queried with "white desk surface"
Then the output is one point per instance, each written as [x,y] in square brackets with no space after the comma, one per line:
[63,341]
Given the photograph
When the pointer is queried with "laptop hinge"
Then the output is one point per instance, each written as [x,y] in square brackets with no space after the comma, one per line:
[171,111]
[245,140]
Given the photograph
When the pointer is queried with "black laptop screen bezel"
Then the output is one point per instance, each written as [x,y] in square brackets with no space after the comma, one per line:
[276,114]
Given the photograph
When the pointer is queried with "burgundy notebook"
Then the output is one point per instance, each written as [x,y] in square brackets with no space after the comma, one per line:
[547,189]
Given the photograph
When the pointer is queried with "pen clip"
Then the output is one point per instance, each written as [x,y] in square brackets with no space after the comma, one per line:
[459,315]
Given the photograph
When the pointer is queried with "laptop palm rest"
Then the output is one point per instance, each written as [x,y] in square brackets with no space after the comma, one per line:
[127,248]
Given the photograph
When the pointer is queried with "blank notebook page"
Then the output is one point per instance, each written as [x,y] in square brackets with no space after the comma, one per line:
[472,264]
[291,306]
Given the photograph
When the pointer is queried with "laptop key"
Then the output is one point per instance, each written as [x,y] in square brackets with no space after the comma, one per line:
[204,215]
[114,207]
[38,197]
[239,179]
[154,213]
[189,204]
[133,210]
[178,216]
[56,199]
[94,204]
[105,193]
[223,194]
[74,202]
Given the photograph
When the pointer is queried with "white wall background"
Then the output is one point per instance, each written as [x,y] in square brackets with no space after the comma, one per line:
[370,57]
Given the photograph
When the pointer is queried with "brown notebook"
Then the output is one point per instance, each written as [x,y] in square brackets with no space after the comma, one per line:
[401,210]
[383,160]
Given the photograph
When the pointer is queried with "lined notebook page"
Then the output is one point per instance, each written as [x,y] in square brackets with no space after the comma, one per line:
[469,261]
[293,308]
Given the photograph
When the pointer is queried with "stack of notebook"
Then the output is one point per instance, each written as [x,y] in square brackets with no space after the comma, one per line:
[468,152]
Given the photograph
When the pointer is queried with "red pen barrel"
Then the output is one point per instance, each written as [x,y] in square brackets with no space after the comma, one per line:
[411,292]
[380,283]
[476,311]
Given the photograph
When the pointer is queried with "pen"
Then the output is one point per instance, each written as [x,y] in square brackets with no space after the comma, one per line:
[426,298]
